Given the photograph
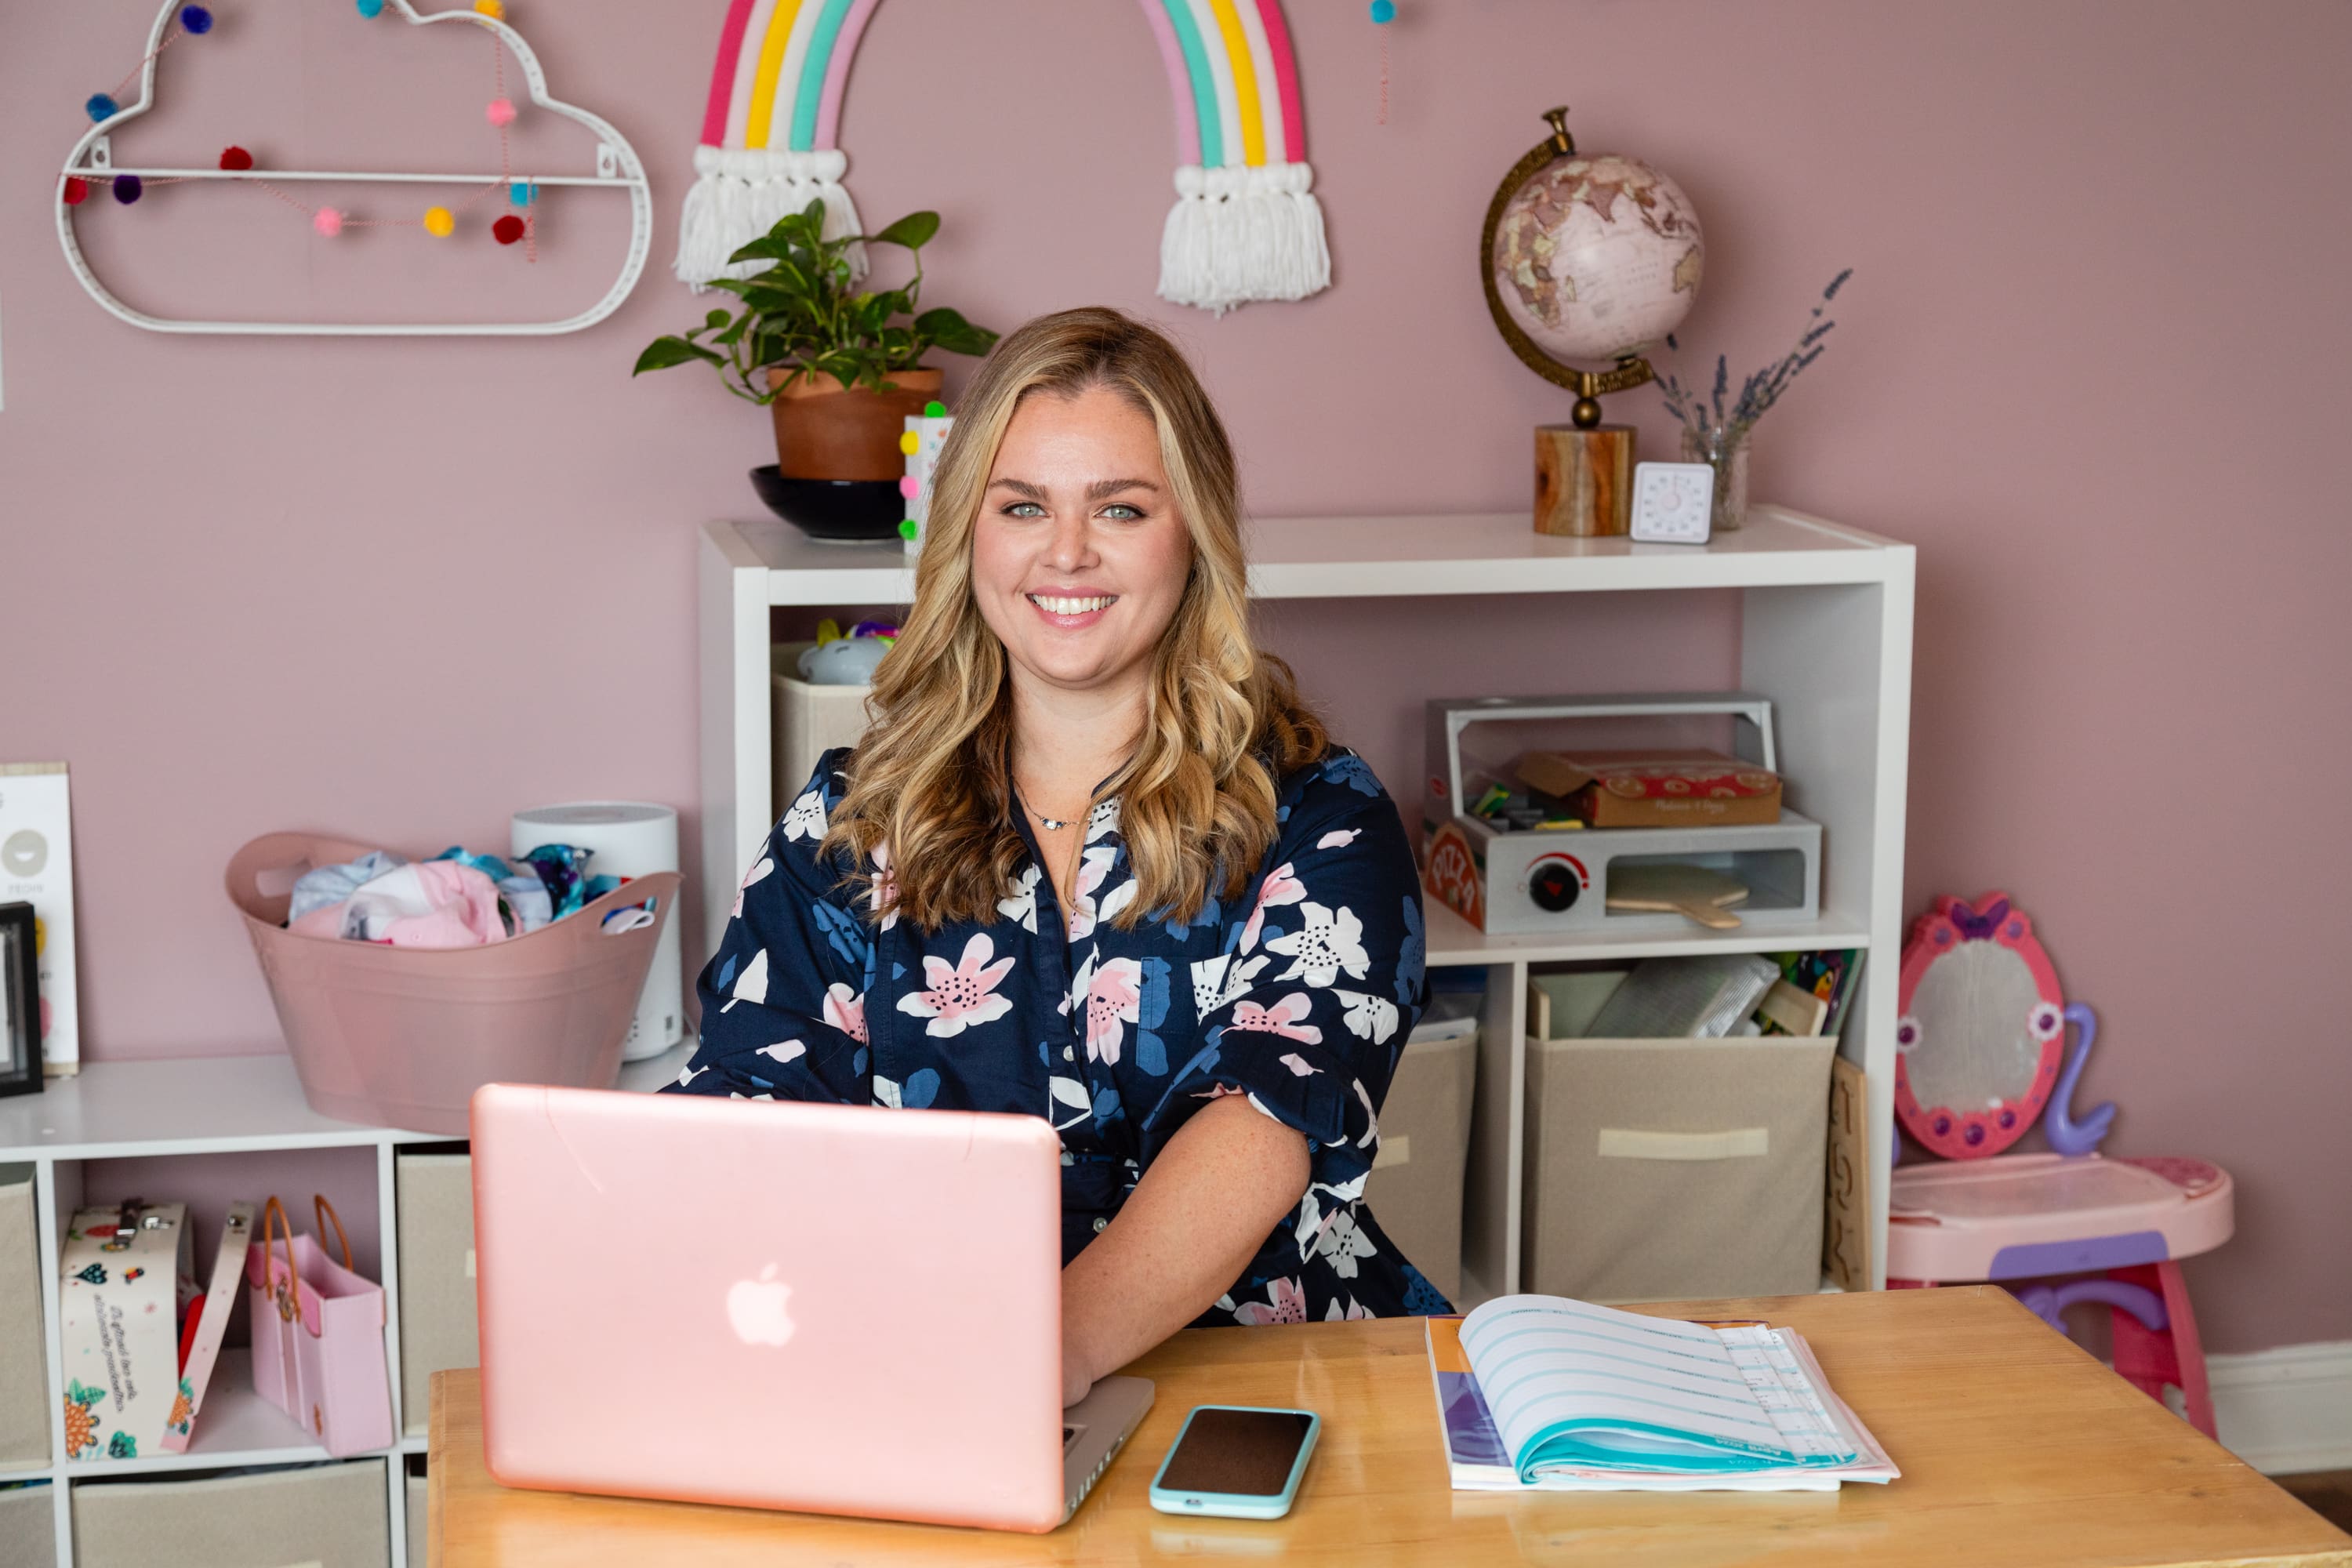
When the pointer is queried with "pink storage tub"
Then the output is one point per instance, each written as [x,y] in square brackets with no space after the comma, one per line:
[402,1037]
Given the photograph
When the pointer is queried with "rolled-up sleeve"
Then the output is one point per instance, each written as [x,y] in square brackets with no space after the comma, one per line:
[783,998]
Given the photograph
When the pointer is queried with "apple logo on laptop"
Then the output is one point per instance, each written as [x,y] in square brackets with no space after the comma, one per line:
[756,1309]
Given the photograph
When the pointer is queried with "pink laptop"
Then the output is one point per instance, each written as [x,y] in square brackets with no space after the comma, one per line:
[819,1307]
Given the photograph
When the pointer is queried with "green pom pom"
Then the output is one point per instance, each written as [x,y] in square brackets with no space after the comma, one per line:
[934,409]
[907,527]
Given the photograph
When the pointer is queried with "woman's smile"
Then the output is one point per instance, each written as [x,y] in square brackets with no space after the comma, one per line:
[1071,609]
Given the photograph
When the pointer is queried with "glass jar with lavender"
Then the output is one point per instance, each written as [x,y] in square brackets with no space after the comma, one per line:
[1724,448]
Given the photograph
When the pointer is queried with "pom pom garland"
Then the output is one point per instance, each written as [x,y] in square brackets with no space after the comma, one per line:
[909,528]
[522,193]
[440,222]
[371,9]
[327,222]
[102,106]
[934,409]
[493,9]
[77,190]
[195,19]
[1383,11]
[909,443]
[129,188]
[909,486]
[506,230]
[236,159]
[501,112]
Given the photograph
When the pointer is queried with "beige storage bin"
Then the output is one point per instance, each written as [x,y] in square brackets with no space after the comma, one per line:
[438,1329]
[24,1361]
[419,1556]
[810,721]
[1415,1187]
[1661,1169]
[28,1527]
[332,1516]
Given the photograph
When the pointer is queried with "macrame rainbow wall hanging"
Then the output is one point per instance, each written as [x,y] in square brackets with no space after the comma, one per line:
[1246,224]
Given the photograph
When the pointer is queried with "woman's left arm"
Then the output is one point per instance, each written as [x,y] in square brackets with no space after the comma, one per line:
[1192,1224]
[1276,1113]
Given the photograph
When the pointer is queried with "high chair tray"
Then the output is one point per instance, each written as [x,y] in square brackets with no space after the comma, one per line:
[2022,1216]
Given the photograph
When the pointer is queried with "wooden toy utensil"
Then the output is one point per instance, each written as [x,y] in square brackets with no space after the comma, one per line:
[1701,894]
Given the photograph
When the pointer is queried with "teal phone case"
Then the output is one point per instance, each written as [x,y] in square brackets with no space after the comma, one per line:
[1236,1505]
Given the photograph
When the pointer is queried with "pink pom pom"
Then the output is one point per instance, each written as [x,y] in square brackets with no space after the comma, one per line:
[909,486]
[327,222]
[501,112]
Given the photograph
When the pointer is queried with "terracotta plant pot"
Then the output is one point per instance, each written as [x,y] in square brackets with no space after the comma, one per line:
[824,432]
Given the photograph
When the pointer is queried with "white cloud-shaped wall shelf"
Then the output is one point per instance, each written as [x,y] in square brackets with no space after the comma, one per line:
[90,167]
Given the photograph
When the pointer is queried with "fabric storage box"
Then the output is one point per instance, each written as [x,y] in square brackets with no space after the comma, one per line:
[1662,1169]
[438,1329]
[28,1527]
[810,721]
[24,1359]
[1415,1189]
[319,1515]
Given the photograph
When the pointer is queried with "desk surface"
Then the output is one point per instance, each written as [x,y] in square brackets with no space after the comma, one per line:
[2015,1447]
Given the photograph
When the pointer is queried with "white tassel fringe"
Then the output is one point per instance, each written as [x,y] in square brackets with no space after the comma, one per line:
[740,192]
[1238,235]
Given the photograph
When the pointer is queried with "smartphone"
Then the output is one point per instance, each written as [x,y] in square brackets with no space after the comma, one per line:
[1236,1460]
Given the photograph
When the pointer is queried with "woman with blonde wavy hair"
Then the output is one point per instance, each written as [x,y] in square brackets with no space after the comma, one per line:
[1096,861]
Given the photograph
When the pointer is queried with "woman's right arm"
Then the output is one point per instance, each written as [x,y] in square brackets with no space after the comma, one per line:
[783,999]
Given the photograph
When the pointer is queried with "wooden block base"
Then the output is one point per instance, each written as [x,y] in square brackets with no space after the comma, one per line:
[1584,480]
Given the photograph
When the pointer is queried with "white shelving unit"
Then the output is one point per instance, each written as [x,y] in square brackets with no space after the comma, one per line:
[209,1106]
[1825,632]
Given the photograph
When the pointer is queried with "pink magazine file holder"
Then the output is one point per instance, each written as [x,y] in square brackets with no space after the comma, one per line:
[317,1336]
[402,1037]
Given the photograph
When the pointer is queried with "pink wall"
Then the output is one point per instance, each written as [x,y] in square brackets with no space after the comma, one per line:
[2088,363]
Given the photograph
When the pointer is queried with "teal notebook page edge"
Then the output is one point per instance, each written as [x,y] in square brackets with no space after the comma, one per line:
[1574,1385]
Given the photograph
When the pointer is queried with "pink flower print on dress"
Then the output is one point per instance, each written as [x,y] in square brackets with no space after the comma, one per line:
[1114,993]
[1282,1018]
[1339,839]
[845,1010]
[959,997]
[760,868]
[1284,1303]
[1085,913]
[1279,888]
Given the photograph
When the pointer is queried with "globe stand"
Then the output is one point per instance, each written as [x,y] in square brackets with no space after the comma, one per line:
[1584,469]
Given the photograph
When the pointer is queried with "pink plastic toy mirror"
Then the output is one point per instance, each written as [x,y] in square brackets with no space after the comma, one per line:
[1983,1030]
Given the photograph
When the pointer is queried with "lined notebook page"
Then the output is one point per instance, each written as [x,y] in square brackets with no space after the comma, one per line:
[1542,1360]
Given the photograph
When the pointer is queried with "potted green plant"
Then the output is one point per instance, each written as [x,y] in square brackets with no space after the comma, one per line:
[841,368]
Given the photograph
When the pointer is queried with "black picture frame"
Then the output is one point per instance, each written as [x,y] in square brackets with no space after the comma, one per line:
[20,1002]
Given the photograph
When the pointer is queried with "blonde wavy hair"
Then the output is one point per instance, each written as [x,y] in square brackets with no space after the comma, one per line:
[1223,721]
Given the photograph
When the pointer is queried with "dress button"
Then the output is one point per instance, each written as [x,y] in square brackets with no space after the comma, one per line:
[1101,1225]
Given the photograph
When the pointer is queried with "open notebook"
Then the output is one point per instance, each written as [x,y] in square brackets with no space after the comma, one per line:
[1542,1392]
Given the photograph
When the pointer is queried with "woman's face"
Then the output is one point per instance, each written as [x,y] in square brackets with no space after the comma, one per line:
[1079,557]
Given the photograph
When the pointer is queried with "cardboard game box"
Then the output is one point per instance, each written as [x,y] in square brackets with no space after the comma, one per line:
[1656,789]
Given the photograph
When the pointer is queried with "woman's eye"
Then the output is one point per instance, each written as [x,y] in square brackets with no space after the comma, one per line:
[1120,512]
[1024,508]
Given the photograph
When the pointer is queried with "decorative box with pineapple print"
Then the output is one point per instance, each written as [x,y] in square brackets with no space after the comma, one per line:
[126,1277]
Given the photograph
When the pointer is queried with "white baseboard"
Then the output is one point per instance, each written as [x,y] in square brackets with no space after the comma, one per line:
[2286,1410]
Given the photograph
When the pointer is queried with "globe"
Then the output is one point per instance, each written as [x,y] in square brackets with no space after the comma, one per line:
[1596,256]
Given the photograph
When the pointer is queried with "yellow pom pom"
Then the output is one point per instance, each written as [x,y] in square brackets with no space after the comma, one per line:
[910,443]
[491,8]
[440,223]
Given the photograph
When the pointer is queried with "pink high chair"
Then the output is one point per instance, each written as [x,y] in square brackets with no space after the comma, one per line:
[1983,1026]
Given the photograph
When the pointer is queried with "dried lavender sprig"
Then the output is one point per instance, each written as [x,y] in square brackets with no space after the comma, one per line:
[1760,389]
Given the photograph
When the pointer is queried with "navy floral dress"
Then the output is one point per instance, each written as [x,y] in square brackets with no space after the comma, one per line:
[1299,995]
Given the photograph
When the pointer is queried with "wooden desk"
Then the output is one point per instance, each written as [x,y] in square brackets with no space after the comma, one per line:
[2016,1448]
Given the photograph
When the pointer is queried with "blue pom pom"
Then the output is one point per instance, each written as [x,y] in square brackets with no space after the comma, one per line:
[521,193]
[128,188]
[1384,10]
[371,8]
[195,19]
[102,106]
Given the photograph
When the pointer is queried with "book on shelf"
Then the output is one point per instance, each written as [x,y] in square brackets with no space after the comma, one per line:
[1543,1393]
